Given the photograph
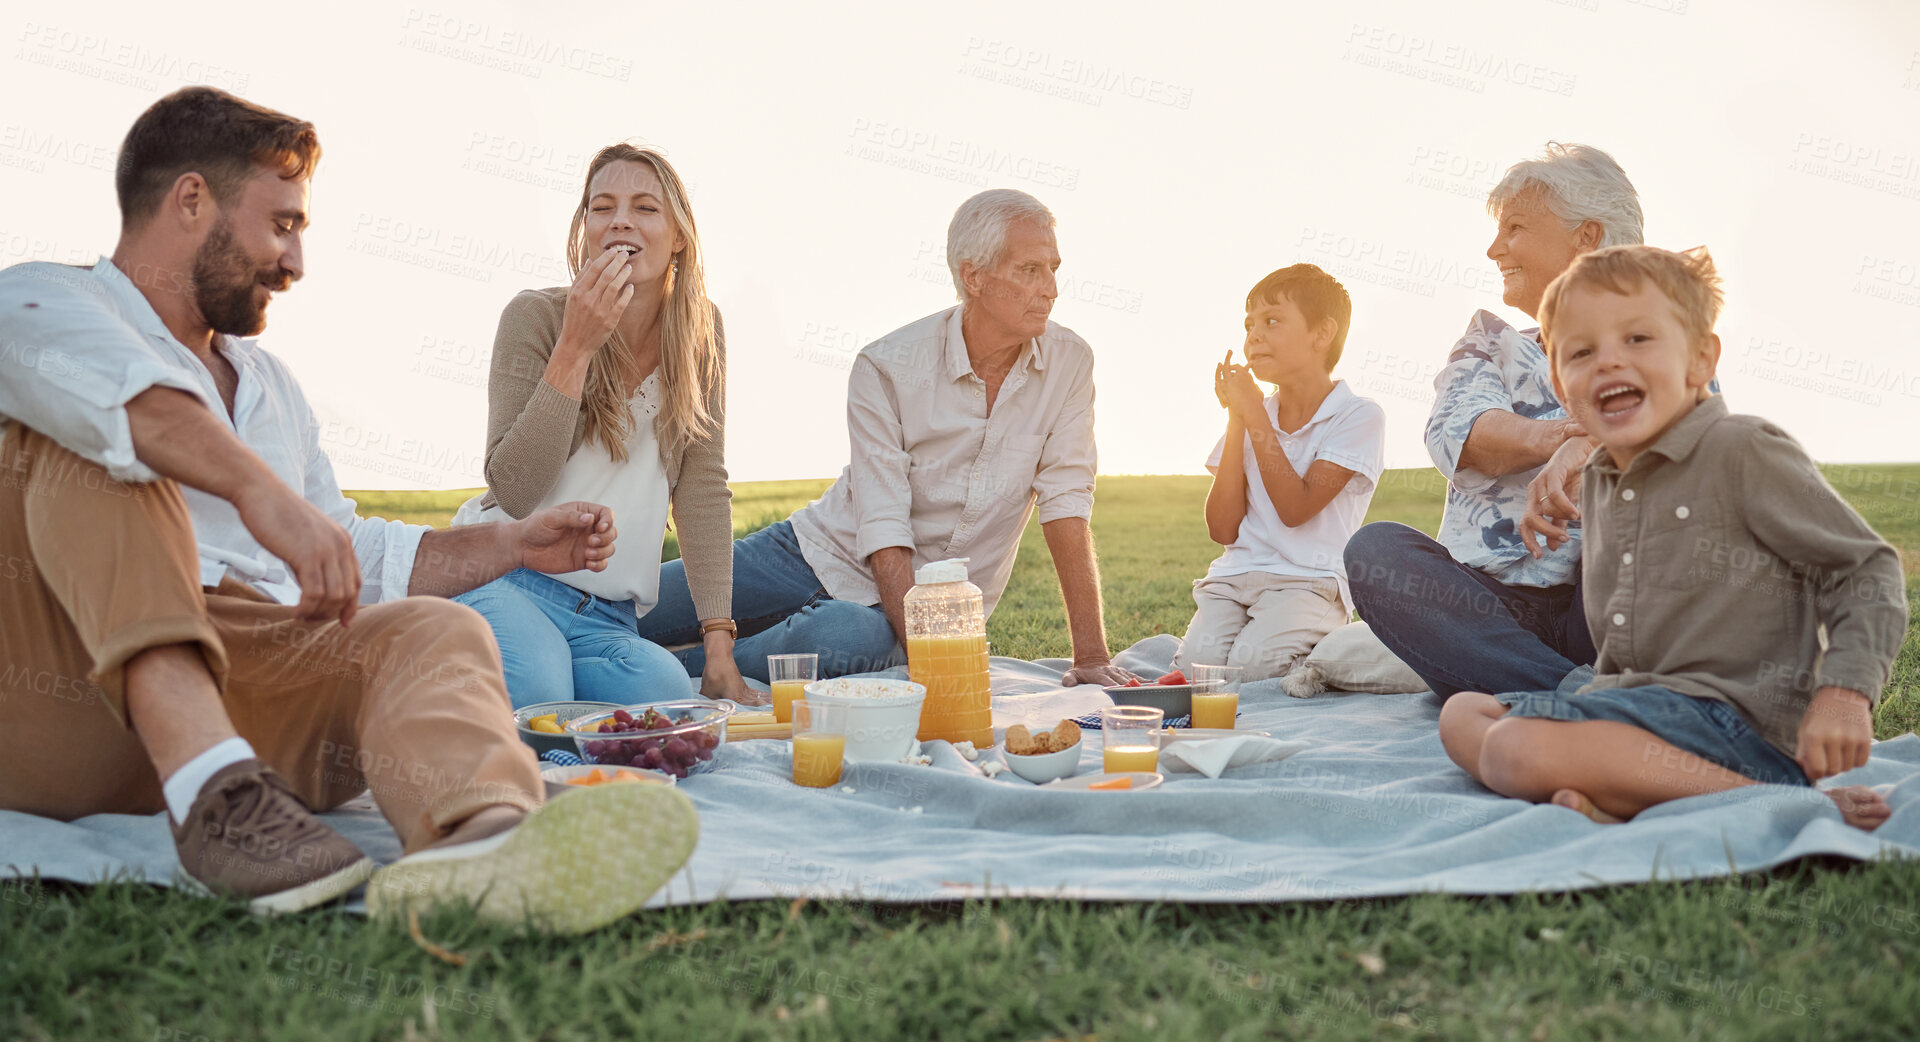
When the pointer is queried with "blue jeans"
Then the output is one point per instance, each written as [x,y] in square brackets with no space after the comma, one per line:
[782,610]
[1459,628]
[558,644]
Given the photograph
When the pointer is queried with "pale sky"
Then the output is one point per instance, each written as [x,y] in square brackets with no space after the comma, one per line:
[1186,152]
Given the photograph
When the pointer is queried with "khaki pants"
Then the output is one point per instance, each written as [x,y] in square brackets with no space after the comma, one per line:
[407,702]
[1260,621]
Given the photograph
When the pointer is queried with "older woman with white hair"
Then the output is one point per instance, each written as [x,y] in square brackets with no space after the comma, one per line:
[1486,607]
[962,424]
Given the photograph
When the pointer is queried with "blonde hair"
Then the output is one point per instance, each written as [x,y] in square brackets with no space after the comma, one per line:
[1687,279]
[691,367]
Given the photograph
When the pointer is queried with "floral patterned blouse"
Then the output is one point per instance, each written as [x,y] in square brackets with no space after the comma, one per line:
[1494,366]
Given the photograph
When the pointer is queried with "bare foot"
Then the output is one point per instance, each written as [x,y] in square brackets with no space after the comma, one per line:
[1860,806]
[1573,799]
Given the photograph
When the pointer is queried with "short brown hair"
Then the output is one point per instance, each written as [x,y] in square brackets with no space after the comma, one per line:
[207,131]
[1687,279]
[1318,295]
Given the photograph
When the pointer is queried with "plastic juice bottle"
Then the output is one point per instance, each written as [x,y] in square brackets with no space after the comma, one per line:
[947,652]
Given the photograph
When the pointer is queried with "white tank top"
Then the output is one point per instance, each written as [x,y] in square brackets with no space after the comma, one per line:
[637,491]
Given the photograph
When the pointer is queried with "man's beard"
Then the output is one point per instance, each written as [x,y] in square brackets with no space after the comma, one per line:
[223,281]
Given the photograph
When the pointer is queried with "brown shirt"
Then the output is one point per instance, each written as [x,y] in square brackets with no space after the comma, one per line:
[533,429]
[1713,562]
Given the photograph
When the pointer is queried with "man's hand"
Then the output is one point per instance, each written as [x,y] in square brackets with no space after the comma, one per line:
[1836,734]
[567,538]
[1105,674]
[318,551]
[1553,497]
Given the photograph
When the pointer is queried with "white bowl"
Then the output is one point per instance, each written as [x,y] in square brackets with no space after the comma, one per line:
[883,718]
[1045,767]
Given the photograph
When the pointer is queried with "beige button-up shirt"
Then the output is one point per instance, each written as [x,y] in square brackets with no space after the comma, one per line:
[1713,562]
[934,472]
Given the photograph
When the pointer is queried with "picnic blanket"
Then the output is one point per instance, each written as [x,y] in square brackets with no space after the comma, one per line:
[1369,807]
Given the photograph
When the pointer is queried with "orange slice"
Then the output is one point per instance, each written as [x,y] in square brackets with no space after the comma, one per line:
[1122,782]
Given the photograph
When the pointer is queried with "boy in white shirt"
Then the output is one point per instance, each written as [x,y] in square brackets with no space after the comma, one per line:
[1292,478]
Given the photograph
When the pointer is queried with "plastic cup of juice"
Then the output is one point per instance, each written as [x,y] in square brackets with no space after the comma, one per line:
[789,676]
[1216,696]
[1126,738]
[819,743]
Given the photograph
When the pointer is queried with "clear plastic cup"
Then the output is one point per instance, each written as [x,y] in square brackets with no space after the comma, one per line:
[789,676]
[1216,696]
[1126,738]
[819,742]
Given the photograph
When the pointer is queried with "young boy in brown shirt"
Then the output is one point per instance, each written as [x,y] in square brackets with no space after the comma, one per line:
[1714,553]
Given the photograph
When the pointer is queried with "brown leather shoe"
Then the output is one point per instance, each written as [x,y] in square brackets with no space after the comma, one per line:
[249,836]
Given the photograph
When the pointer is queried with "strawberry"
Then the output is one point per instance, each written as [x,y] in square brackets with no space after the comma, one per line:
[1175,677]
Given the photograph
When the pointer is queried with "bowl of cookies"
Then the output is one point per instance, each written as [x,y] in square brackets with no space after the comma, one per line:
[1043,757]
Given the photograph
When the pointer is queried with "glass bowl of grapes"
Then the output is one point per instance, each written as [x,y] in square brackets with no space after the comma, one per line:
[679,738]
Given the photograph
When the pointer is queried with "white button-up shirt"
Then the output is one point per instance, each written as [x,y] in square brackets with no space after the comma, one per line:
[77,344]
[932,471]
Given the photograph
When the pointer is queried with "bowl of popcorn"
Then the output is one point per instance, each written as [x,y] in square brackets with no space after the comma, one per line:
[1043,757]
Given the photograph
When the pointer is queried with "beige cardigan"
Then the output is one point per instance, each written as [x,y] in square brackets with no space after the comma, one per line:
[533,429]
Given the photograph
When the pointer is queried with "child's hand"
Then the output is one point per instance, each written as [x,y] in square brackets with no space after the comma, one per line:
[1836,734]
[1220,379]
[1238,392]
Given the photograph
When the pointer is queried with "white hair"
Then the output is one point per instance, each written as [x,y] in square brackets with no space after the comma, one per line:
[978,233]
[1578,183]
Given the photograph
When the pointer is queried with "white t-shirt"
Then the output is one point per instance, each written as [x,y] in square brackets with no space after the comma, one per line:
[638,492]
[1347,430]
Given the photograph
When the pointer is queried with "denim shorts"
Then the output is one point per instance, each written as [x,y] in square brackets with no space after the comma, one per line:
[1708,728]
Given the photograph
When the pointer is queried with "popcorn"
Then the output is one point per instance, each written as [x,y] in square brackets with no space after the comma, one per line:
[967,750]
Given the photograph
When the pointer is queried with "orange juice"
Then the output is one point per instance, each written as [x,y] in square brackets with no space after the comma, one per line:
[785,693]
[1215,710]
[959,705]
[816,758]
[1119,758]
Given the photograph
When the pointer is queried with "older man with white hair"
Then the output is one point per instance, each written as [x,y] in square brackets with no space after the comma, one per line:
[962,425]
[1489,607]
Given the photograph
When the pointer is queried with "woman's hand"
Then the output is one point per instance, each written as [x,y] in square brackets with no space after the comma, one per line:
[594,306]
[1553,497]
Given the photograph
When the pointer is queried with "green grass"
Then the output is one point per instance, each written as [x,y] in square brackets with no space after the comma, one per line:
[1815,951]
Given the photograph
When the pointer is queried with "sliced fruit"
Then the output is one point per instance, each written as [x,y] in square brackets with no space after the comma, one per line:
[1175,677]
[1122,782]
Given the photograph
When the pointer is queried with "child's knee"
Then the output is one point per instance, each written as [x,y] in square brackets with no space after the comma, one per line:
[1513,759]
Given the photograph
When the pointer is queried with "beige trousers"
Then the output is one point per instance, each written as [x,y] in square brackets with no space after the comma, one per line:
[1259,621]
[407,702]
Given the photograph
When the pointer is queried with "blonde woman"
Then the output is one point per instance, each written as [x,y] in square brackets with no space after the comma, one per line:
[613,391]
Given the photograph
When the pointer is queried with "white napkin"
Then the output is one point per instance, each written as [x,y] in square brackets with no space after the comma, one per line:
[1214,755]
